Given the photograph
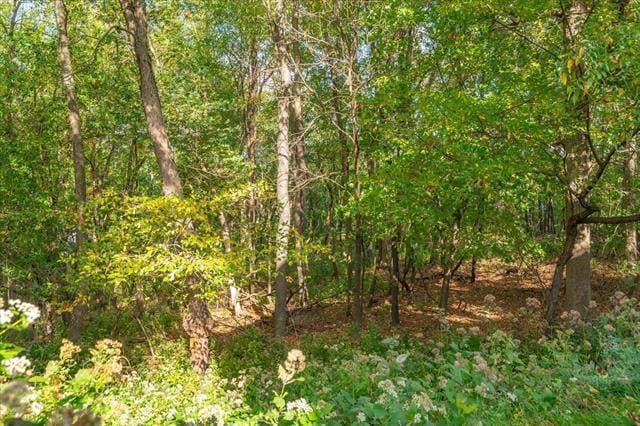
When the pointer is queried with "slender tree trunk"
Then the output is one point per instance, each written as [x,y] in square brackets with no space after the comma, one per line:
[395,280]
[344,226]
[136,20]
[226,231]
[80,310]
[9,127]
[251,140]
[358,249]
[197,322]
[578,166]
[629,202]
[73,114]
[282,181]
[374,276]
[301,170]
[450,262]
[571,233]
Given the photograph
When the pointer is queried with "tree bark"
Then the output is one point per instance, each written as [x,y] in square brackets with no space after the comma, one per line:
[450,262]
[135,17]
[358,248]
[9,127]
[571,233]
[301,171]
[629,202]
[73,114]
[395,280]
[226,231]
[80,309]
[251,140]
[578,167]
[282,180]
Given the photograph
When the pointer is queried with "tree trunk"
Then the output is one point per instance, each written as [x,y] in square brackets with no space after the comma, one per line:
[9,128]
[251,140]
[571,233]
[73,114]
[395,280]
[136,20]
[358,249]
[301,170]
[578,166]
[226,232]
[450,262]
[80,310]
[629,202]
[198,322]
[282,180]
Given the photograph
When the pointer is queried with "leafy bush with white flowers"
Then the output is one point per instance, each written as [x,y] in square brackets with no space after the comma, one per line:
[586,373]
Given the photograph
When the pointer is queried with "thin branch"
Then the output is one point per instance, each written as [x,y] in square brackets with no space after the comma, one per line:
[612,220]
[526,38]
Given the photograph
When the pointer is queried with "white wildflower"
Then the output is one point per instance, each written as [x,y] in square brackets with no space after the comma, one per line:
[5,316]
[30,311]
[388,387]
[212,413]
[423,401]
[512,396]
[361,417]
[295,361]
[16,366]
[299,405]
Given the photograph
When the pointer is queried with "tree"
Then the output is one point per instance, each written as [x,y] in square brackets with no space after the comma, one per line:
[197,322]
[301,173]
[280,42]
[73,113]
[135,18]
[578,165]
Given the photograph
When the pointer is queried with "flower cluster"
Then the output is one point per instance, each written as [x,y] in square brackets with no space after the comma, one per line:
[533,303]
[482,389]
[31,312]
[621,301]
[212,415]
[300,405]
[572,318]
[423,401]
[295,361]
[17,366]
[19,399]
[489,300]
[6,316]
[388,387]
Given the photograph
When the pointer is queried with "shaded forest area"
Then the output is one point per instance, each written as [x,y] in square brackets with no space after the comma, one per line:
[319,212]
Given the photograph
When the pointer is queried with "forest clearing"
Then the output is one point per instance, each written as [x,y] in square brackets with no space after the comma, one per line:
[319,212]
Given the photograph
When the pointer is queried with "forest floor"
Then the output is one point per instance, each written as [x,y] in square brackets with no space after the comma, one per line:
[419,314]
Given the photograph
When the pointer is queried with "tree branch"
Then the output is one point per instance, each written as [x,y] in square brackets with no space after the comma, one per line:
[612,220]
